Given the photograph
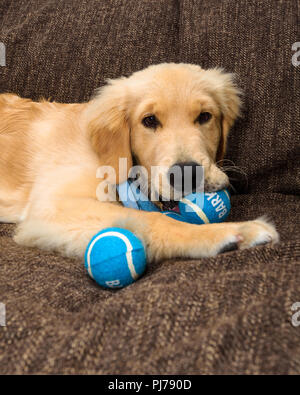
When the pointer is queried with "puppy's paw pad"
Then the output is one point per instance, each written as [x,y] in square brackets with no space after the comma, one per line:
[231,246]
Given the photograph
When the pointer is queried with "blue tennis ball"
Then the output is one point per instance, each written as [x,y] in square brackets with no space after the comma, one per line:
[174,215]
[115,258]
[203,208]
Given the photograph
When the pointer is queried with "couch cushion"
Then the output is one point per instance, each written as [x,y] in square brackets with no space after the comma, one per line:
[253,39]
[64,50]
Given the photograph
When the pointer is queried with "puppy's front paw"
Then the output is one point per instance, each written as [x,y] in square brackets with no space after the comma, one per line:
[248,234]
[257,232]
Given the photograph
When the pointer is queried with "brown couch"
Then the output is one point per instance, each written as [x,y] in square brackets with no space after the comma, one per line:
[231,314]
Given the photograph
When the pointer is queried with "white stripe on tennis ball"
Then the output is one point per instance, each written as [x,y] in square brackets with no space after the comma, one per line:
[197,210]
[129,247]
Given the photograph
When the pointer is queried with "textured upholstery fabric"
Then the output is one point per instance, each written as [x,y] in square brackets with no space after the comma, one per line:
[231,314]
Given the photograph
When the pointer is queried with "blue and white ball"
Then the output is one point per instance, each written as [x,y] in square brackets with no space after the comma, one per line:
[204,208]
[115,258]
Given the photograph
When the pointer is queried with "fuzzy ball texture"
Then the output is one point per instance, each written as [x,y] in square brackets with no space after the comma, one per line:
[115,258]
[204,208]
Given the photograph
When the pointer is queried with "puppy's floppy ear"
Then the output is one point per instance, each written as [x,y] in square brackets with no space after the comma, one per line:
[227,96]
[108,128]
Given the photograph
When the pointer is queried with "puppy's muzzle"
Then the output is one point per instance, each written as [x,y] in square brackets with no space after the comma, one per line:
[186,177]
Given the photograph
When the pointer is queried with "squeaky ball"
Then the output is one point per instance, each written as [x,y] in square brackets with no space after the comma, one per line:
[115,258]
[204,208]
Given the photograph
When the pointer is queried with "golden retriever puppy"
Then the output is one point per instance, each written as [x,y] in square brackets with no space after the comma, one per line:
[163,115]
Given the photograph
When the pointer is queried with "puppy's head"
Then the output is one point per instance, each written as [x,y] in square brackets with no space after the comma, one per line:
[165,115]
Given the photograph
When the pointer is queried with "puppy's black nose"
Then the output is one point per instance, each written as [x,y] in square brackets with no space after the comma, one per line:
[186,176]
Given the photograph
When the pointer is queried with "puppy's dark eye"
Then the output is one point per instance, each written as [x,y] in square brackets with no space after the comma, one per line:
[204,117]
[150,122]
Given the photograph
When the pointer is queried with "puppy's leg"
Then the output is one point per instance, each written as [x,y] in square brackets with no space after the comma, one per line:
[69,228]
[168,238]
